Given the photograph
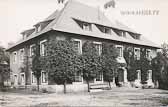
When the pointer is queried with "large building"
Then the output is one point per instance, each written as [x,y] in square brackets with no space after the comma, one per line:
[80,23]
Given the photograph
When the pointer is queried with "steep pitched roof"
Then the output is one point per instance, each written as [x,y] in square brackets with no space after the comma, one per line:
[64,21]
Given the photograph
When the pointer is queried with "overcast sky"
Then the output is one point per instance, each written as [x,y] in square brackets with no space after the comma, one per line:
[19,15]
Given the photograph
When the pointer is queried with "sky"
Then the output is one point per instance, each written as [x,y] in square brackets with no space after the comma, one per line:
[19,15]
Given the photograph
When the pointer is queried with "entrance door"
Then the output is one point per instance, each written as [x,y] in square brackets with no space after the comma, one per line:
[120,77]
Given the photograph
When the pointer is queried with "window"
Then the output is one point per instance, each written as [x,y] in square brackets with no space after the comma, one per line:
[120,50]
[44,77]
[21,55]
[99,76]
[137,53]
[32,49]
[78,77]
[33,78]
[87,26]
[149,74]
[148,53]
[15,79]
[103,29]
[22,76]
[77,46]
[43,47]
[120,33]
[15,57]
[98,47]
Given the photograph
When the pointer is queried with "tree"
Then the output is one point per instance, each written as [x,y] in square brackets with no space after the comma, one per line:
[109,63]
[160,67]
[4,66]
[90,62]
[37,64]
[61,61]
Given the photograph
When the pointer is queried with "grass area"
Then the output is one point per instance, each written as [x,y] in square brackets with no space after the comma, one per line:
[164,101]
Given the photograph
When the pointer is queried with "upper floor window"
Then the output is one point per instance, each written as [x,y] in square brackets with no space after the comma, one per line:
[137,53]
[77,45]
[43,47]
[32,49]
[21,55]
[98,47]
[87,26]
[120,50]
[15,57]
[148,51]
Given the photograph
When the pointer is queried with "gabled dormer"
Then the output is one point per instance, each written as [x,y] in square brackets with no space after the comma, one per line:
[27,33]
[135,36]
[84,25]
[104,29]
[120,32]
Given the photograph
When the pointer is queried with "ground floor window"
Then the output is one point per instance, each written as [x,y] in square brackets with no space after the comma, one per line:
[44,77]
[15,79]
[78,77]
[22,76]
[33,78]
[99,76]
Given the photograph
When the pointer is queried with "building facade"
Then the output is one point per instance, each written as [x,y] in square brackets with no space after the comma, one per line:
[79,23]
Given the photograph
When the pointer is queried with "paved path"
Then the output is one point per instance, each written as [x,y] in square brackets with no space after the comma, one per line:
[117,97]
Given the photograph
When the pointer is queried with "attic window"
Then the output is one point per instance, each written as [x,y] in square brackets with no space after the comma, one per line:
[86,26]
[103,29]
[135,36]
[120,32]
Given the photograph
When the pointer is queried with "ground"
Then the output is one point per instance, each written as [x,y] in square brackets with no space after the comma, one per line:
[117,97]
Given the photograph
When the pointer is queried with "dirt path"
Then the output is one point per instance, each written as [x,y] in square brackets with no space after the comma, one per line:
[117,97]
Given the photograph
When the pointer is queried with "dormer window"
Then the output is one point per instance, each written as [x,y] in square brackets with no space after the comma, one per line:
[135,36]
[86,26]
[120,32]
[37,28]
[104,29]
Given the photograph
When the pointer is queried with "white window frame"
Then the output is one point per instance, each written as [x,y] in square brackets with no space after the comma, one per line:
[31,50]
[120,46]
[22,82]
[15,57]
[33,78]
[42,82]
[100,47]
[42,52]
[138,56]
[80,45]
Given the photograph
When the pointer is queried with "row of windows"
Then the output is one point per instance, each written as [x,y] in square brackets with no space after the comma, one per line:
[107,30]
[78,49]
[44,78]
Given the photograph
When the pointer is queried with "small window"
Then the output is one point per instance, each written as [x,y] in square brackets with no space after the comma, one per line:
[33,78]
[120,32]
[22,76]
[87,26]
[99,76]
[43,47]
[98,47]
[32,49]
[15,57]
[137,53]
[120,51]
[21,55]
[148,51]
[77,46]
[78,77]
[107,30]
[44,77]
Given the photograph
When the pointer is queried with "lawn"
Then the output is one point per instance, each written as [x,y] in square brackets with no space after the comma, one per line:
[117,97]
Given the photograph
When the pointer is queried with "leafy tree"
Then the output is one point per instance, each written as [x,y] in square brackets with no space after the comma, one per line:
[90,62]
[61,61]
[109,63]
[160,67]
[4,66]
[37,64]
